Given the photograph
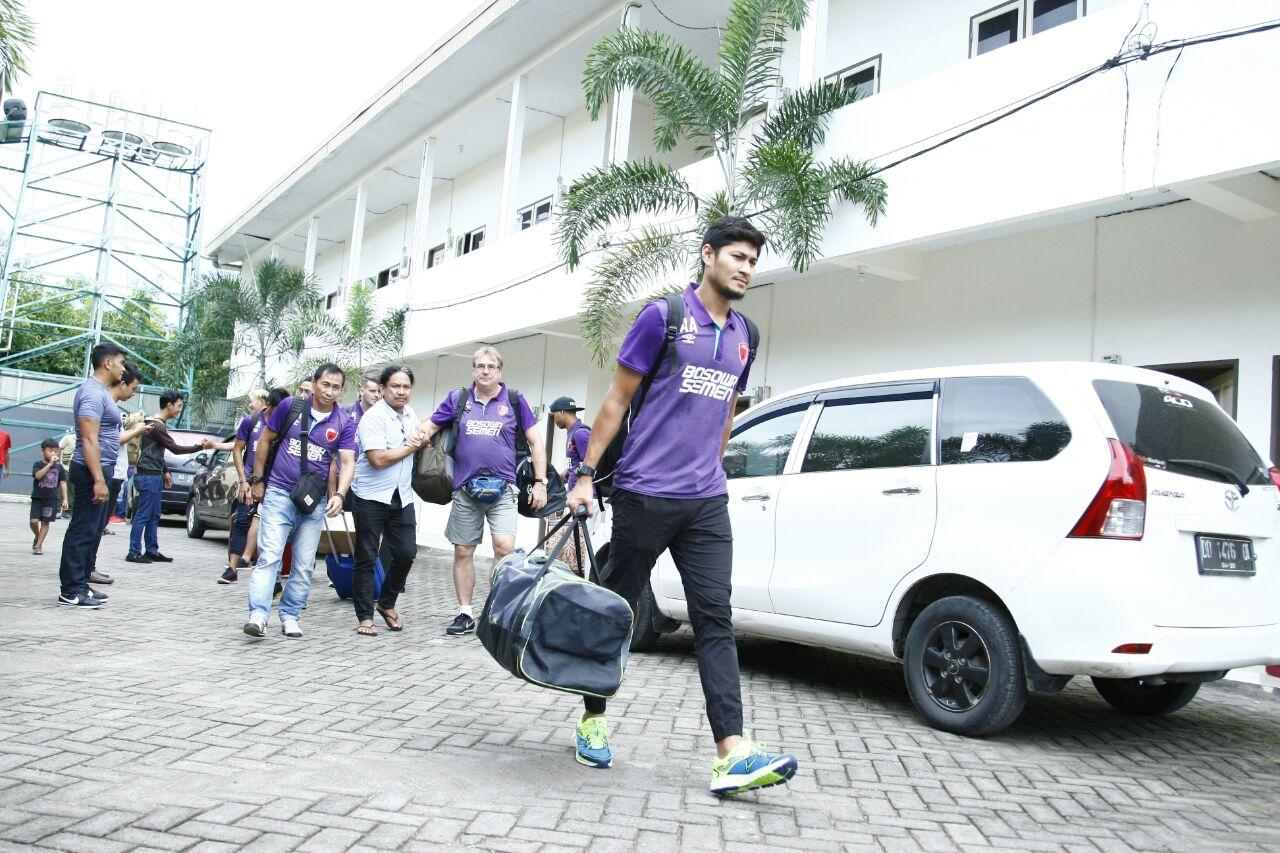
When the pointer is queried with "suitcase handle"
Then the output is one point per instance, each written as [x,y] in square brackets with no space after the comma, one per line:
[329,534]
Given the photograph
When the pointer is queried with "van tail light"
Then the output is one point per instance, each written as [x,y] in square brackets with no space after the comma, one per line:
[1275,476]
[1119,510]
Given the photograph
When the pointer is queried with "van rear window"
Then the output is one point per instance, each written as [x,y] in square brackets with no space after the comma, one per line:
[1170,431]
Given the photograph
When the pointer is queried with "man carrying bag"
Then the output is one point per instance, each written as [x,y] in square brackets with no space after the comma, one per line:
[290,482]
[487,418]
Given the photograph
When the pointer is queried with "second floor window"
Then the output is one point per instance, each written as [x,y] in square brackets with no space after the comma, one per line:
[862,77]
[388,276]
[471,241]
[435,256]
[1004,24]
[535,214]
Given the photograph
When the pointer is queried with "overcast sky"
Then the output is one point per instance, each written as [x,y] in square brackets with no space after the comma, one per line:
[271,78]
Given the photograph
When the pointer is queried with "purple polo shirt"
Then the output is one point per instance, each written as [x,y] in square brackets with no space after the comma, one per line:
[249,431]
[486,435]
[673,448]
[337,431]
[576,449]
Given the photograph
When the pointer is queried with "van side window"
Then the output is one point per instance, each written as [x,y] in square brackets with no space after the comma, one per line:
[999,419]
[760,448]
[859,433]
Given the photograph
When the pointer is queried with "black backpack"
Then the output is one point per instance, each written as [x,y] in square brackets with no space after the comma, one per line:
[667,361]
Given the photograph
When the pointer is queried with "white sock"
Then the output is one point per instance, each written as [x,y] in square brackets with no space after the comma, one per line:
[465,610]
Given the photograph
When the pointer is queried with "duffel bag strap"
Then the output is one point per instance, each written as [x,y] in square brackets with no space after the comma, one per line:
[552,532]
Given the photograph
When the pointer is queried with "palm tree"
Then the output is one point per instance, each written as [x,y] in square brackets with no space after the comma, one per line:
[363,337]
[265,314]
[775,178]
[17,36]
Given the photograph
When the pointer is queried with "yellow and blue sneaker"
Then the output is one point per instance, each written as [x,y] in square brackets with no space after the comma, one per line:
[592,742]
[748,767]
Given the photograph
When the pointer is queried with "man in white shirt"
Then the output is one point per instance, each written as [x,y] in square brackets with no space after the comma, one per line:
[387,437]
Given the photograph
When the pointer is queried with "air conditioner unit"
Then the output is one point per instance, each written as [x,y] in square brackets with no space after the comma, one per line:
[759,393]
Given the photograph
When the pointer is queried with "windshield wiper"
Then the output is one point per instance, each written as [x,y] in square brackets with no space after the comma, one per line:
[1222,470]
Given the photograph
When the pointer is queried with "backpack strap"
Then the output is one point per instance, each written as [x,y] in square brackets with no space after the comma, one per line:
[522,441]
[753,337]
[667,355]
[295,412]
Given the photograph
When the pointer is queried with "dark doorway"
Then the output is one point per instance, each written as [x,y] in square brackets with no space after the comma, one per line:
[1220,378]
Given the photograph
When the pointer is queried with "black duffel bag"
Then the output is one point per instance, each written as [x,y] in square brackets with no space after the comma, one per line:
[546,625]
[556,491]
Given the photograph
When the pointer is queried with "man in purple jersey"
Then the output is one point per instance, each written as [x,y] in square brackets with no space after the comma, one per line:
[330,433]
[484,471]
[564,413]
[243,541]
[670,490]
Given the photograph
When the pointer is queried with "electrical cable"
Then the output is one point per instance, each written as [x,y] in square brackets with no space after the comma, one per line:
[1155,159]
[674,23]
[1118,61]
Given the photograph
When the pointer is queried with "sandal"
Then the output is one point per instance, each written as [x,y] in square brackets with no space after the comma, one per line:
[393,620]
[366,629]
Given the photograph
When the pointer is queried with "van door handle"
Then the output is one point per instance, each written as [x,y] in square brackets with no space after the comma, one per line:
[757,497]
[904,490]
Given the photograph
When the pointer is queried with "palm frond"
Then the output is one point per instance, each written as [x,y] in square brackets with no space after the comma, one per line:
[628,271]
[752,39]
[17,38]
[685,93]
[802,115]
[795,197]
[851,181]
[607,194]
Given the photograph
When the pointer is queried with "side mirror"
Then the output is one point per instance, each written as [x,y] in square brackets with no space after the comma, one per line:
[202,459]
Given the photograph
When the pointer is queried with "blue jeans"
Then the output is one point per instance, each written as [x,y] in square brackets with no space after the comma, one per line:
[146,518]
[279,521]
[84,531]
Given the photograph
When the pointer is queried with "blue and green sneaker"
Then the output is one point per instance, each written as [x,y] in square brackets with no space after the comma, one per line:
[592,742]
[748,766]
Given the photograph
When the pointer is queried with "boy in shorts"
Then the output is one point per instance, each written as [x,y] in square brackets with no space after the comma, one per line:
[49,483]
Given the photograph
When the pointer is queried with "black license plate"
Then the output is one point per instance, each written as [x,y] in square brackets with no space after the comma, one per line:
[1219,555]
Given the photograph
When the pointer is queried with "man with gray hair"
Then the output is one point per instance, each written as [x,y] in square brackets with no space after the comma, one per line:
[490,418]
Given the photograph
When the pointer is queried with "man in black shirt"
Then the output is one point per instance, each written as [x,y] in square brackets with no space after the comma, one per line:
[152,478]
[49,481]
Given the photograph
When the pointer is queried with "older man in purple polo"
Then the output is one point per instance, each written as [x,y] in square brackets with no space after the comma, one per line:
[288,508]
[484,471]
[670,490]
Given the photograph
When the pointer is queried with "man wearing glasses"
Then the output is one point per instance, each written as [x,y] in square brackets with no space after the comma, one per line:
[484,471]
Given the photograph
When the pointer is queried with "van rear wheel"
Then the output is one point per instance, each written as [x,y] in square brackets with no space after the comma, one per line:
[1143,698]
[963,666]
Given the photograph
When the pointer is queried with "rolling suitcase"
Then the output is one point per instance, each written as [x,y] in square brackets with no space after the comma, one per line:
[341,567]
[546,625]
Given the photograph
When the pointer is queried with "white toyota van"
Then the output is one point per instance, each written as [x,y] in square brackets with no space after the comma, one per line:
[1000,529]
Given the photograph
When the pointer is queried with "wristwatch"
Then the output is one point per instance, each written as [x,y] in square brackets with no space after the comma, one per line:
[585,470]
[540,480]
[254,479]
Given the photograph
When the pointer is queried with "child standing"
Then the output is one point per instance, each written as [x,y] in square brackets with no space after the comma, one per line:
[49,483]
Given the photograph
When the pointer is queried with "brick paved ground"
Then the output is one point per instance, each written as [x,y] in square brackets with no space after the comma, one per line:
[154,723]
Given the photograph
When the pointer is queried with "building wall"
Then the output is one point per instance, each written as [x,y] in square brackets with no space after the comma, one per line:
[1173,285]
[934,36]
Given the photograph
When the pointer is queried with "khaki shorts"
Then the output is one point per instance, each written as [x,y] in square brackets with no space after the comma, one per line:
[467,517]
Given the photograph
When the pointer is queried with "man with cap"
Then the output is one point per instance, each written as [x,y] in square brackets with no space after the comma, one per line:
[564,413]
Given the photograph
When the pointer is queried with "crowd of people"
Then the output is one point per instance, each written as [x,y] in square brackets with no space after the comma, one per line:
[303,458]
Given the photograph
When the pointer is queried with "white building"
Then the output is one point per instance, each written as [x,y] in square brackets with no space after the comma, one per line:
[1133,216]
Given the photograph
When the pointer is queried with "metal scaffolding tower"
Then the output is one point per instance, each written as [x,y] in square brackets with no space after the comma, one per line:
[103,245]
